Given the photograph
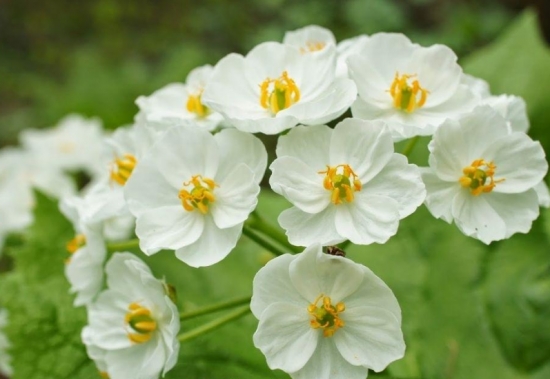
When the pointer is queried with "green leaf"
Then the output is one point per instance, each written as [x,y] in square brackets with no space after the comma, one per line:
[44,327]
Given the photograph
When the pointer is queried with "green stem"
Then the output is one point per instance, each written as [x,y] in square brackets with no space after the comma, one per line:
[123,246]
[214,308]
[214,324]
[410,146]
[258,223]
[263,242]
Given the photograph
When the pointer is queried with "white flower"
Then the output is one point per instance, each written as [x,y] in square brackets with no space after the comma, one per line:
[514,111]
[193,192]
[345,49]
[310,39]
[275,87]
[412,88]
[16,196]
[482,176]
[133,326]
[345,183]
[75,143]
[181,102]
[104,199]
[324,316]
[84,266]
[5,358]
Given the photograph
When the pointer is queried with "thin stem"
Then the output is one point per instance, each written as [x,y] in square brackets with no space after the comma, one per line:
[124,245]
[214,324]
[263,242]
[214,308]
[410,146]
[265,228]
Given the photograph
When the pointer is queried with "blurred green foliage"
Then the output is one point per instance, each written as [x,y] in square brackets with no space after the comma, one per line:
[97,57]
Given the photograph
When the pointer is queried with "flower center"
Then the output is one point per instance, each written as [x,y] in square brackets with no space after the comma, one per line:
[278,94]
[342,181]
[479,177]
[326,316]
[104,375]
[312,46]
[73,245]
[406,93]
[67,147]
[122,168]
[200,196]
[141,322]
[194,105]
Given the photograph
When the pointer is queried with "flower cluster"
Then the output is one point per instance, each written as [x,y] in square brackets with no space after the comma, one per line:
[186,177]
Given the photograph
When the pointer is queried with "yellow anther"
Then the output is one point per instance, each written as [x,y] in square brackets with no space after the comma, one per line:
[312,46]
[479,177]
[104,375]
[194,105]
[326,316]
[342,181]
[73,245]
[200,196]
[279,94]
[407,95]
[141,323]
[122,168]
[76,243]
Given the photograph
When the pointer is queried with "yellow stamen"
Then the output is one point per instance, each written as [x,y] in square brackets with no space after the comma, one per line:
[104,375]
[476,175]
[279,94]
[73,245]
[326,316]
[122,168]
[342,181]
[141,322]
[200,197]
[194,105]
[312,46]
[407,95]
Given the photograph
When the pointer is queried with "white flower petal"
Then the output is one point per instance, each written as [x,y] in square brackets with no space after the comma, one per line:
[400,181]
[236,197]
[285,337]
[170,227]
[213,245]
[368,219]
[437,71]
[327,363]
[310,144]
[475,217]
[272,285]
[315,273]
[142,361]
[327,106]
[508,153]
[237,147]
[365,146]
[304,229]
[371,85]
[107,313]
[543,194]
[301,184]
[440,195]
[371,337]
[517,210]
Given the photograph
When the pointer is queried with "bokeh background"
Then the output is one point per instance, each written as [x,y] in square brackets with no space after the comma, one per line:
[96,56]
[470,311]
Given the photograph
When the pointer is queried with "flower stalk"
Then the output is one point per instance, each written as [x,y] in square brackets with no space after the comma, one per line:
[214,308]
[214,324]
[123,245]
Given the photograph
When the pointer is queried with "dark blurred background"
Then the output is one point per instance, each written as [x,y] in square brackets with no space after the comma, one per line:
[95,57]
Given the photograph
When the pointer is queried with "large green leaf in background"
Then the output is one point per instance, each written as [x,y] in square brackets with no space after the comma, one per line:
[469,312]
